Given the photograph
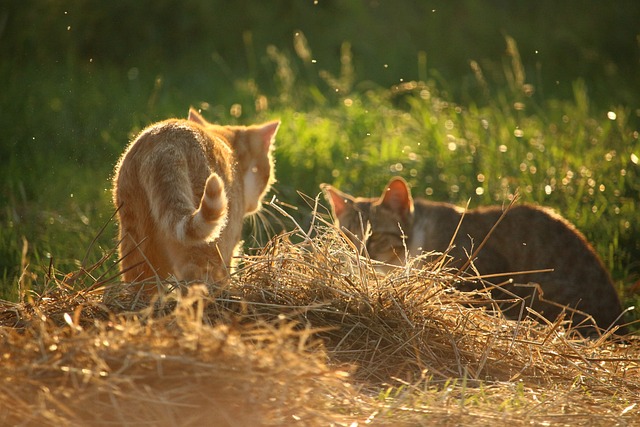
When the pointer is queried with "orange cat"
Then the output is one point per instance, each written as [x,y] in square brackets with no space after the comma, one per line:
[183,188]
[528,238]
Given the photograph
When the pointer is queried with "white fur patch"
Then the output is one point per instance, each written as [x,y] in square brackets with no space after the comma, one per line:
[252,190]
[181,232]
[417,241]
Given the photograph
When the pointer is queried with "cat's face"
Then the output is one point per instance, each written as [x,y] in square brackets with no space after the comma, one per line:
[380,224]
[252,146]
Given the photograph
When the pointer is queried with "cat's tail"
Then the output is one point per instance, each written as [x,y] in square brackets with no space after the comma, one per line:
[208,220]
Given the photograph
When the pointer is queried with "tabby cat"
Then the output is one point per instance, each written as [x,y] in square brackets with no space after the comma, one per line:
[528,238]
[182,188]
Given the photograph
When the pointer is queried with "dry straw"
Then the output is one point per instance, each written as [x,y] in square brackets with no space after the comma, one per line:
[308,333]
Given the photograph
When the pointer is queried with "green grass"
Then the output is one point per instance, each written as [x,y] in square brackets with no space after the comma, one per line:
[570,154]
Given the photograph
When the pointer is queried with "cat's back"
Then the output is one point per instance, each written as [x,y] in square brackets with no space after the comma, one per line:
[537,227]
[539,237]
[436,223]
[533,238]
[541,231]
[530,238]
[522,237]
[173,146]
[171,137]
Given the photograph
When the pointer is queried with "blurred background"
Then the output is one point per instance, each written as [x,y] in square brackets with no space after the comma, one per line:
[558,41]
[78,80]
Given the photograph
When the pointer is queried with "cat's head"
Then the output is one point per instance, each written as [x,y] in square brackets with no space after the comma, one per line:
[381,224]
[252,147]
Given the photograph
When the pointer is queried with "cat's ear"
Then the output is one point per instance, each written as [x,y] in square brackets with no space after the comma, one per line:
[397,197]
[336,198]
[195,117]
[268,132]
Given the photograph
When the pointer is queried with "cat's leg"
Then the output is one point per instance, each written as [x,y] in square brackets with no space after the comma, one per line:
[141,255]
[131,262]
[143,265]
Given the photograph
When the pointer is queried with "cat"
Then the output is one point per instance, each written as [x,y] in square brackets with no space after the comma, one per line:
[528,238]
[182,189]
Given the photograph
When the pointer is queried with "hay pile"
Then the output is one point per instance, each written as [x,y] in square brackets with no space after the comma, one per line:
[306,333]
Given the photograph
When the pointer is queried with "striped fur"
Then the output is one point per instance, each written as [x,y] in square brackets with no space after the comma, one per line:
[528,238]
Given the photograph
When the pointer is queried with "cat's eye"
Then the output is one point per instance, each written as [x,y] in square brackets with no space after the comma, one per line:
[380,243]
